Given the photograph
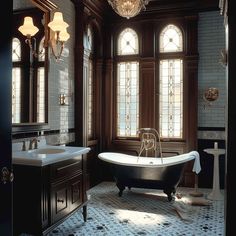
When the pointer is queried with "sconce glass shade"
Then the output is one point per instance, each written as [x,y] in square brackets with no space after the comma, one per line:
[58,24]
[64,36]
[58,36]
[28,28]
[128,8]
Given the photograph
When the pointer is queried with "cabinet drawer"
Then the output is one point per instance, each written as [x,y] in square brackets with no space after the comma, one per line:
[66,168]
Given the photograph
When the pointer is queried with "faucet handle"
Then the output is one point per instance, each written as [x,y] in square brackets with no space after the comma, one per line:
[36,143]
[23,146]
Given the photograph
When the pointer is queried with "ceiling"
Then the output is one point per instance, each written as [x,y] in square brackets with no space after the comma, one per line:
[157,8]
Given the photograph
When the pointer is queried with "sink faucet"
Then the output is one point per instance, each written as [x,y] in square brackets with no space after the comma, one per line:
[33,141]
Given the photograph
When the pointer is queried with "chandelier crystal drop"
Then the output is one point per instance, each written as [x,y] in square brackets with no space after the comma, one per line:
[128,8]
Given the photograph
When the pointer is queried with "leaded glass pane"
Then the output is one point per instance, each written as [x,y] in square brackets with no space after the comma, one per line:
[16,95]
[171,39]
[127,99]
[128,42]
[41,96]
[90,38]
[41,52]
[171,98]
[90,98]
[16,50]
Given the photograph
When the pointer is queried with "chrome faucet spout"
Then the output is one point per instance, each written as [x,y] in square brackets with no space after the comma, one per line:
[33,141]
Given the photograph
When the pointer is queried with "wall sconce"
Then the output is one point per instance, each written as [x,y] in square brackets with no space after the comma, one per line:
[59,34]
[64,99]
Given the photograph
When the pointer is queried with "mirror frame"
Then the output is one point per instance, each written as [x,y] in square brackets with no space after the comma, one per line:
[46,6]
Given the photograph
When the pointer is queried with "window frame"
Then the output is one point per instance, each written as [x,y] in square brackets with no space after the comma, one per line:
[165,56]
[90,56]
[118,59]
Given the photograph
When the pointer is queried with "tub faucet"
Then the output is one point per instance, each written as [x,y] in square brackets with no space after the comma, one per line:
[33,141]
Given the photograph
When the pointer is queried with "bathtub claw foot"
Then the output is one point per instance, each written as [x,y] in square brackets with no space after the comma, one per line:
[121,187]
[169,192]
[169,196]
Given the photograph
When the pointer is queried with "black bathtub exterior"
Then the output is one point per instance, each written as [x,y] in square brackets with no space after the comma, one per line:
[164,178]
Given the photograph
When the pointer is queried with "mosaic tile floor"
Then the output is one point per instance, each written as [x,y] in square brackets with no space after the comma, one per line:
[142,212]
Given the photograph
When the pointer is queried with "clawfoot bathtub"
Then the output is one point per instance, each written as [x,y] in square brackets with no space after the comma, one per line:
[149,172]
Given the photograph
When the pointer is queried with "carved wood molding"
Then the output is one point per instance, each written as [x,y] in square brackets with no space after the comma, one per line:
[44,5]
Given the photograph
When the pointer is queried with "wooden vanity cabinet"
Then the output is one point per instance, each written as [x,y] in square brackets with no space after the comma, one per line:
[66,194]
[44,196]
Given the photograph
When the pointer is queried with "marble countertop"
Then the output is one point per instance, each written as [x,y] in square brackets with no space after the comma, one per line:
[47,154]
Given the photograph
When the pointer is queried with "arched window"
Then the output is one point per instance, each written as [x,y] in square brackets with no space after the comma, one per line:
[128,42]
[171,39]
[16,50]
[171,83]
[16,81]
[89,62]
[127,117]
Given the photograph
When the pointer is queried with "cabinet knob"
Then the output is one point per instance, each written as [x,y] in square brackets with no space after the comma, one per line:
[7,176]
[60,200]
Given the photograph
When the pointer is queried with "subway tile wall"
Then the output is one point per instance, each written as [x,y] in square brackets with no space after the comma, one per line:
[211,40]
[61,74]
[211,117]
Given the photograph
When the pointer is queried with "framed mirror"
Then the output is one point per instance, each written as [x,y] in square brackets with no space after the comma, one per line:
[30,67]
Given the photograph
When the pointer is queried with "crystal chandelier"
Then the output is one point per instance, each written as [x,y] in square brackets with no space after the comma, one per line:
[128,8]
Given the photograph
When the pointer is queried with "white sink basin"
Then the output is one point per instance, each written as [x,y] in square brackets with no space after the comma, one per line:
[47,151]
[47,154]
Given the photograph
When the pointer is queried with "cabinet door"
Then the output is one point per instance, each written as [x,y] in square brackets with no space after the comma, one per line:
[75,191]
[60,206]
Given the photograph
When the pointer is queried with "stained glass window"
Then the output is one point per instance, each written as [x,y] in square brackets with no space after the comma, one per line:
[128,42]
[16,81]
[90,78]
[16,50]
[127,85]
[41,84]
[171,98]
[16,95]
[171,84]
[127,99]
[41,50]
[90,98]
[90,38]
[171,39]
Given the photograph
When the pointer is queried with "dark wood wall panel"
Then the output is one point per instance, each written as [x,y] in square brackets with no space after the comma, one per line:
[147,39]
[147,101]
[107,99]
